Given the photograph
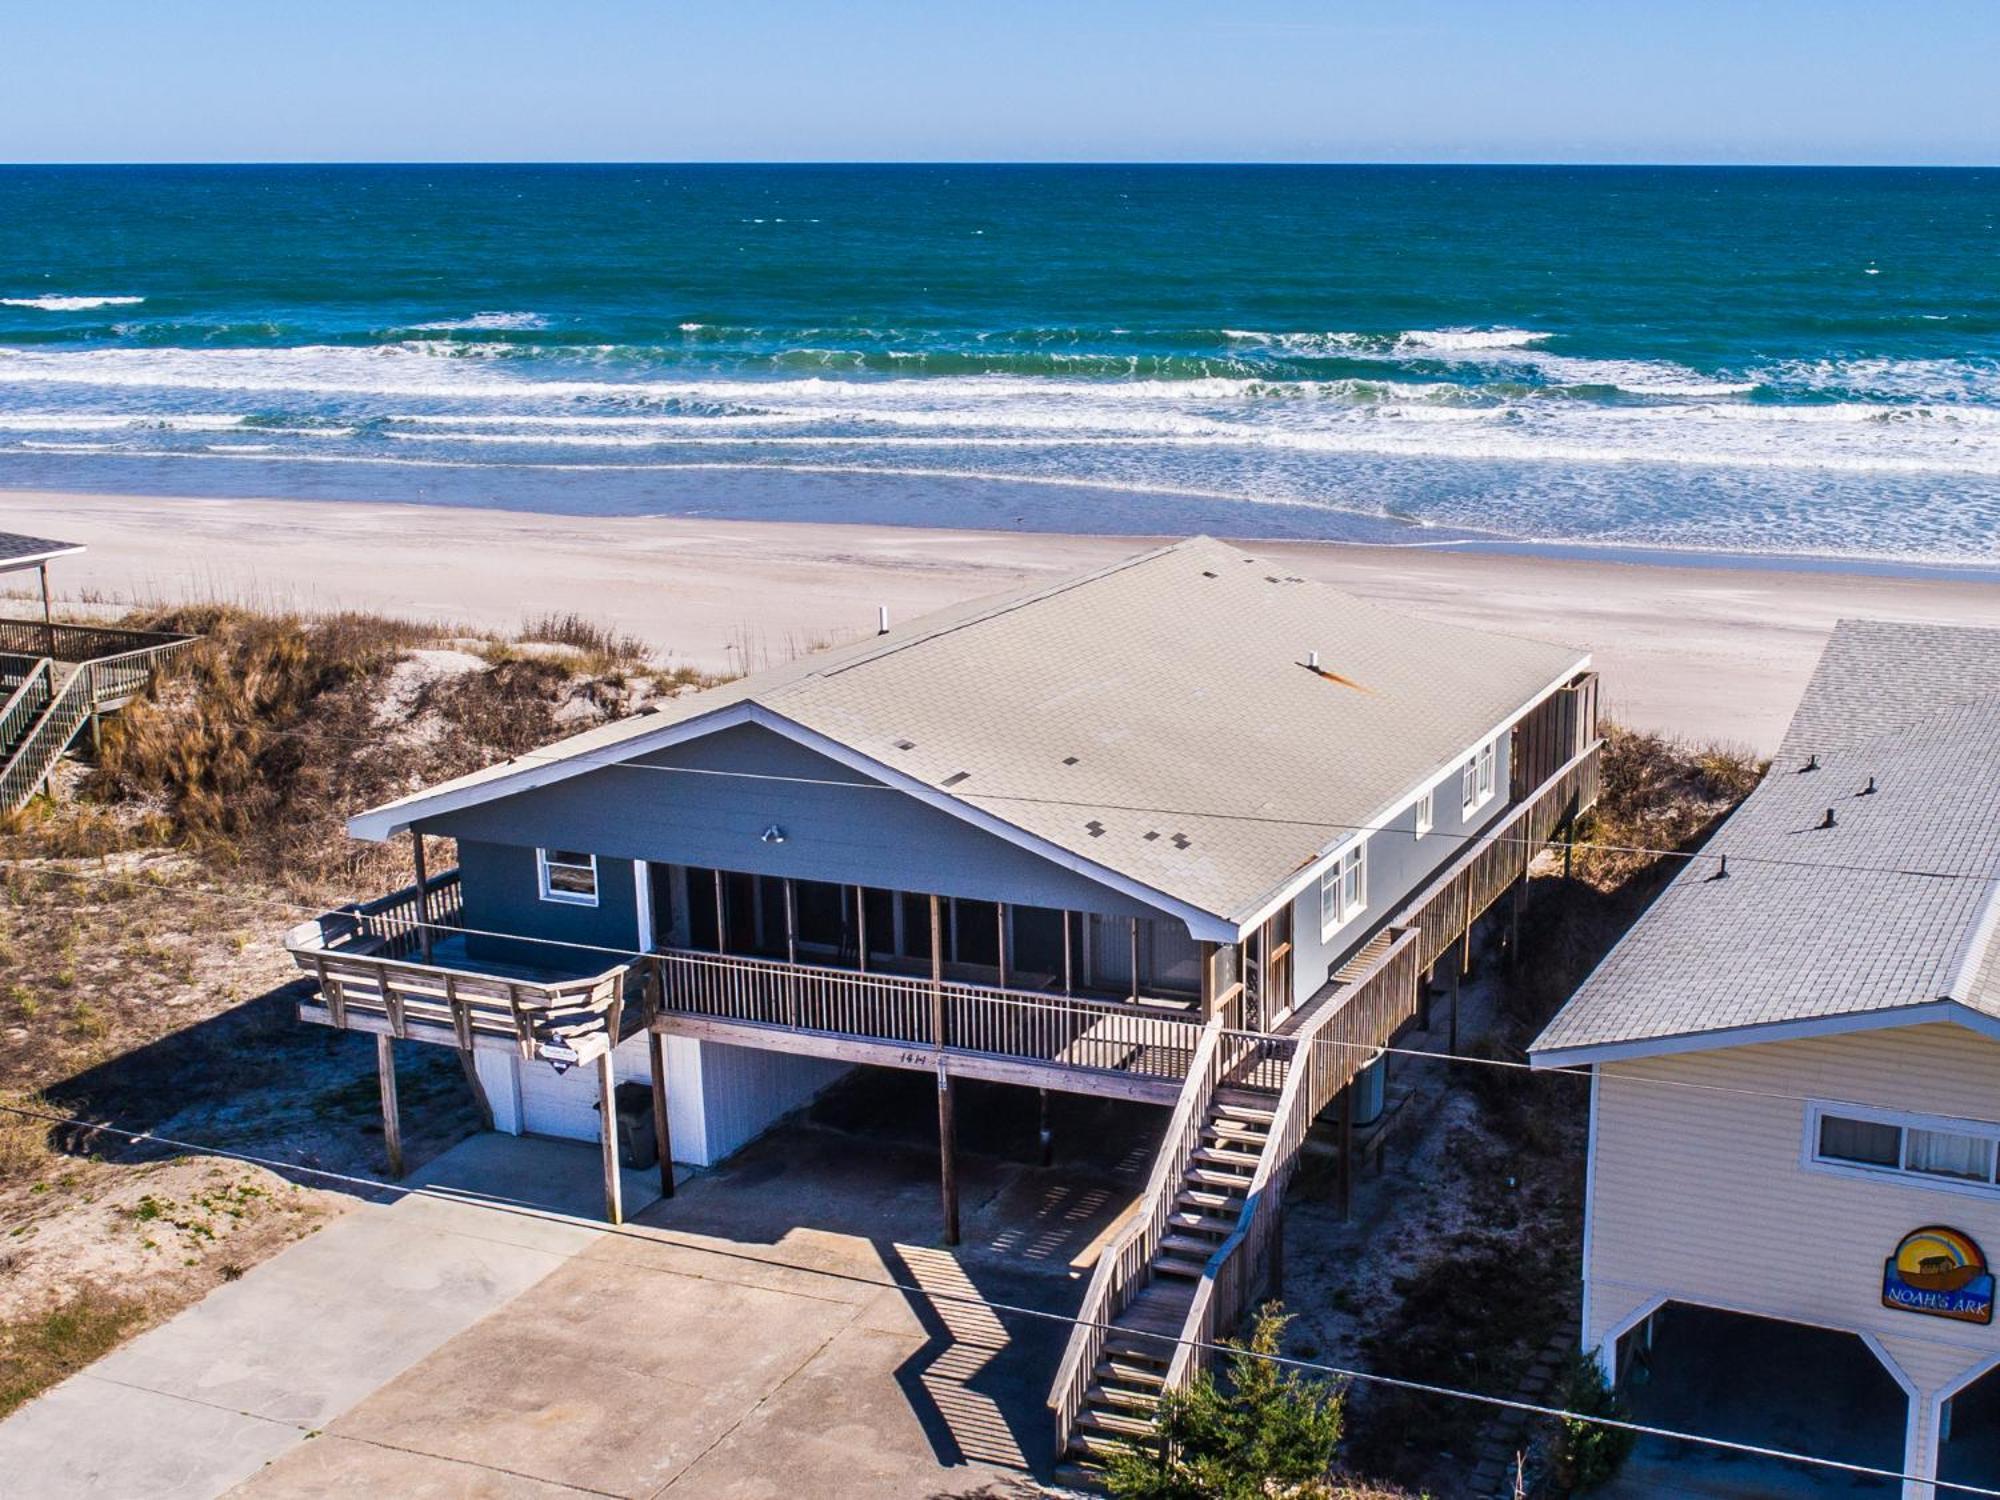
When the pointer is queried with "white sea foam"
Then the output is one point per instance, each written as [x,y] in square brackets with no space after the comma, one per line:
[1463,340]
[69,304]
[494,321]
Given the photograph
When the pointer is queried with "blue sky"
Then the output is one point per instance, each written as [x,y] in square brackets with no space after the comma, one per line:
[1227,80]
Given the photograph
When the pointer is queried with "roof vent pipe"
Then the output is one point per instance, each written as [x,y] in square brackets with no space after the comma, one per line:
[1869,790]
[1812,763]
[1312,660]
[1827,821]
[881,619]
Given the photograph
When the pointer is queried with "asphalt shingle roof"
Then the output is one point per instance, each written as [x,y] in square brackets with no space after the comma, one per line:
[1157,717]
[17,551]
[1885,909]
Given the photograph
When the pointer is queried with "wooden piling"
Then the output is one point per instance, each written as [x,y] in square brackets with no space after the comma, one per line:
[663,1143]
[607,1136]
[392,1120]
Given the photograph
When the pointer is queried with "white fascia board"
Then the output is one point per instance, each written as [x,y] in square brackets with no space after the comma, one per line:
[1203,926]
[1771,1031]
[1309,874]
[381,823]
[36,559]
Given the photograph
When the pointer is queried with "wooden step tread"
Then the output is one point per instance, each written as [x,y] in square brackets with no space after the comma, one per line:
[1214,1177]
[1190,1199]
[1219,1225]
[1252,1101]
[1115,1422]
[1223,1156]
[1177,1265]
[1188,1247]
[1136,1372]
[1140,1402]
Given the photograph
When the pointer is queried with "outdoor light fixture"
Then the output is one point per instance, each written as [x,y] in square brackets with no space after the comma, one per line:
[774,835]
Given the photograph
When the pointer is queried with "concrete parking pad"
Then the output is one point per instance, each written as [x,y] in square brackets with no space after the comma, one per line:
[739,1341]
[192,1407]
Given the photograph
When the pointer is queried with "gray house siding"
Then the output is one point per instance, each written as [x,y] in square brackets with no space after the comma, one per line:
[871,835]
[502,894]
[1399,864]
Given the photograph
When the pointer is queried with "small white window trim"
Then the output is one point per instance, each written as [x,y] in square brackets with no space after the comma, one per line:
[1427,811]
[564,898]
[1476,779]
[1812,1161]
[1336,910]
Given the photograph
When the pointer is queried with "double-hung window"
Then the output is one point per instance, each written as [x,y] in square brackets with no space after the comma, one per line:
[1427,812]
[1476,781]
[1343,889]
[566,875]
[1849,1138]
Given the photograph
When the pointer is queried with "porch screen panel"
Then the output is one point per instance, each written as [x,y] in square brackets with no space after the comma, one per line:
[976,933]
[1110,953]
[822,913]
[701,910]
[1038,941]
[1176,959]
[881,912]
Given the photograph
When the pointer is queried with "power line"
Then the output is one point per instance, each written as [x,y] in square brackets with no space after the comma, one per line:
[1322,825]
[1024,1001]
[1314,1367]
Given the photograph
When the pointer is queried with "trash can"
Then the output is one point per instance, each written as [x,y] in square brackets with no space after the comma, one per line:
[632,1103]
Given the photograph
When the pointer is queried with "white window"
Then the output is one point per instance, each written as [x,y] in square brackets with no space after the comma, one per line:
[1343,889]
[566,875]
[1427,812]
[1475,782]
[1961,1155]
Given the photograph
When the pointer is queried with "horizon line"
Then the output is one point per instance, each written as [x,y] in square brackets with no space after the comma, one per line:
[1110,162]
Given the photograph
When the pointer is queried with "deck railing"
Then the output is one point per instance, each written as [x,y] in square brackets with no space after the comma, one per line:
[79,643]
[30,683]
[362,959]
[1090,1035]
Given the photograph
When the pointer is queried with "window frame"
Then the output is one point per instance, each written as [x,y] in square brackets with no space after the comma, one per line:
[1904,1121]
[1478,778]
[550,893]
[1352,857]
[1426,811]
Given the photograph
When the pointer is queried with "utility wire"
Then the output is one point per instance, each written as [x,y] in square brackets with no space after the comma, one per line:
[1025,1001]
[1322,825]
[523,1209]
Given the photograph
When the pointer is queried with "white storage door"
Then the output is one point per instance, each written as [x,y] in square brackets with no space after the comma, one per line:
[563,1105]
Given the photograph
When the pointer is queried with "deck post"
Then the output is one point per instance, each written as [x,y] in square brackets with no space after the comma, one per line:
[423,895]
[1000,935]
[656,1054]
[392,1120]
[1135,959]
[1515,902]
[1346,1203]
[1046,1129]
[948,1154]
[1069,963]
[48,614]
[607,1136]
[861,928]
[1451,1039]
[721,916]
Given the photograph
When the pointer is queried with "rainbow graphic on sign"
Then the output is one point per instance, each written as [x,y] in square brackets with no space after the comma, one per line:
[1939,1272]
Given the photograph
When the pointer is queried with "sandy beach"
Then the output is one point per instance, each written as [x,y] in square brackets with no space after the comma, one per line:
[1704,652]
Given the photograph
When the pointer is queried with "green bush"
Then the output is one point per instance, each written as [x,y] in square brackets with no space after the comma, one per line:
[1267,1430]
[1589,1454]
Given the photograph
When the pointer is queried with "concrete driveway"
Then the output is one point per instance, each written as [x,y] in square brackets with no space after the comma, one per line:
[675,1357]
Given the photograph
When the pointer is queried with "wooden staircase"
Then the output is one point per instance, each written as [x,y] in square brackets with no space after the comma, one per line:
[46,707]
[1131,1370]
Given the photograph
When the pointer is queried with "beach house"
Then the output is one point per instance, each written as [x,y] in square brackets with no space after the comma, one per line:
[1795,1088]
[1187,830]
[57,681]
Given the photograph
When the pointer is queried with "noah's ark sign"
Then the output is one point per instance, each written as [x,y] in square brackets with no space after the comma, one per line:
[1939,1272]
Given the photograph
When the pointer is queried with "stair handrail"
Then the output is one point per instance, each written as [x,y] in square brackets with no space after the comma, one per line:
[1123,1264]
[1308,1088]
[39,676]
[28,767]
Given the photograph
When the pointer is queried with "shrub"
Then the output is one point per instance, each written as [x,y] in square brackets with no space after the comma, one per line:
[1588,1454]
[1269,1431]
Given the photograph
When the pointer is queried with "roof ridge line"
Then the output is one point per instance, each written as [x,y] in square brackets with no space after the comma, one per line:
[1978,944]
[1011,602]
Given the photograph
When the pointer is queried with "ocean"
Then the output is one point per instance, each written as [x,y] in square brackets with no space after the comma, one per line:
[1781,363]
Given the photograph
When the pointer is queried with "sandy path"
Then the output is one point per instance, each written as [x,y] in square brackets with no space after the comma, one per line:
[1707,652]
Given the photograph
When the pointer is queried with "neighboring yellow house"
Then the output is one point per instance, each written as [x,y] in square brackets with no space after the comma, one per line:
[1794,1176]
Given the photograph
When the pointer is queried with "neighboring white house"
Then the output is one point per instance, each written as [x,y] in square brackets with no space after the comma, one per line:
[1795,1086]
